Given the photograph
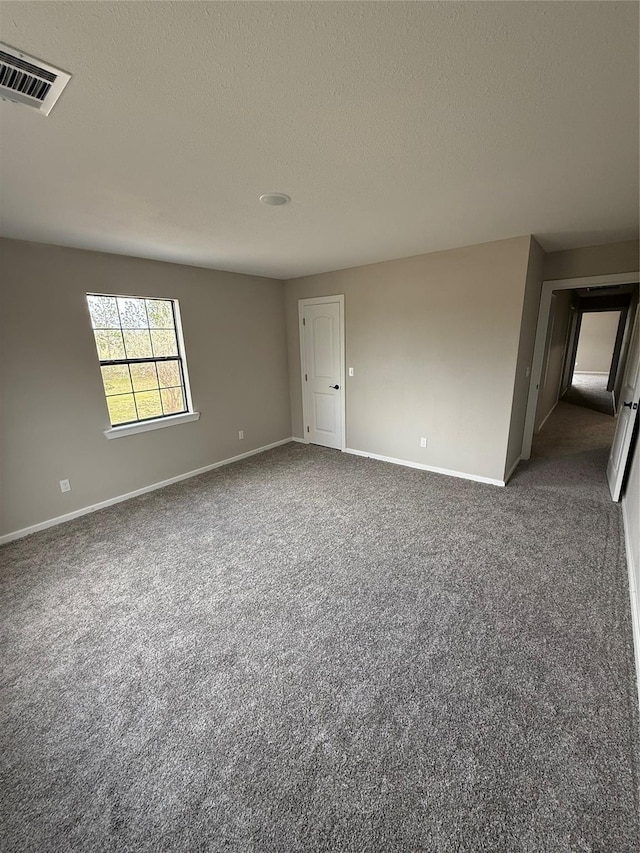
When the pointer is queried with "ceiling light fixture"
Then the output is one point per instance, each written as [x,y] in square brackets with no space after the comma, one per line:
[275,199]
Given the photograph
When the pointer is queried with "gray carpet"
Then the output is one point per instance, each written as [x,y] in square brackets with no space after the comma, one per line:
[570,455]
[310,651]
[590,390]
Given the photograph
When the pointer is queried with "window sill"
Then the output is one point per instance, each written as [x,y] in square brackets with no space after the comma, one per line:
[146,426]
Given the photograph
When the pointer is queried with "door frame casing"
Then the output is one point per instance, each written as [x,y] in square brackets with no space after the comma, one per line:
[619,473]
[541,336]
[570,349]
[320,300]
[617,352]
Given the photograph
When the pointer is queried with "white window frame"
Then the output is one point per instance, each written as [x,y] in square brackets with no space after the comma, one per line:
[167,420]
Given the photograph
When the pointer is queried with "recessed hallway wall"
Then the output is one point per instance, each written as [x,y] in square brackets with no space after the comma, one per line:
[596,341]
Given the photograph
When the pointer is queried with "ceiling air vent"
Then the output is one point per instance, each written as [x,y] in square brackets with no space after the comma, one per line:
[27,80]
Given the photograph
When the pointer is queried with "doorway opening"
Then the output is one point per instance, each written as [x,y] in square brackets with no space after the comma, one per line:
[596,360]
[585,374]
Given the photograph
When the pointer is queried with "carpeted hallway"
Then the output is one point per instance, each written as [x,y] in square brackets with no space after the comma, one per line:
[311,651]
[590,390]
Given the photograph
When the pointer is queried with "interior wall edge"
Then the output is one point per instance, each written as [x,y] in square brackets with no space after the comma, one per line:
[531,295]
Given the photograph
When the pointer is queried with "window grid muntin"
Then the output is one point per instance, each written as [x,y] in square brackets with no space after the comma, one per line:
[152,360]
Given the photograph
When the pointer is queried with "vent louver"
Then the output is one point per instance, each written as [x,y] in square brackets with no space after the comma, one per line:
[29,81]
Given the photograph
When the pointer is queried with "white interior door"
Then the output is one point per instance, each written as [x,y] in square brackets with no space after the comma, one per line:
[627,414]
[321,333]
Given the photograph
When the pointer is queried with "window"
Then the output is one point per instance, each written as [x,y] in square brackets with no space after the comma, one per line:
[141,358]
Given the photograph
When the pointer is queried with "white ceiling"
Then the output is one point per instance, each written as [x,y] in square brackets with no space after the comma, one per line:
[397,129]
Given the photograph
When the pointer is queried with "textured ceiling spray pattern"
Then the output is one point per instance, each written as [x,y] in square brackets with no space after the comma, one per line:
[396,128]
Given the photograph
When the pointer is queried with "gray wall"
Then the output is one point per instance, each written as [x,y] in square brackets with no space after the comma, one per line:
[434,343]
[554,356]
[529,322]
[54,411]
[593,260]
[597,339]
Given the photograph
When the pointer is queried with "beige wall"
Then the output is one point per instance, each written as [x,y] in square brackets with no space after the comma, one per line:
[554,355]
[54,412]
[434,342]
[597,338]
[529,322]
[593,260]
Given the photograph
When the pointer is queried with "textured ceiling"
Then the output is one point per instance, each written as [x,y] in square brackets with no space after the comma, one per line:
[397,129]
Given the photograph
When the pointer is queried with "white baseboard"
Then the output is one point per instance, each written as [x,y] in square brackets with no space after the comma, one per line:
[299,440]
[60,519]
[592,372]
[511,470]
[547,416]
[633,595]
[421,467]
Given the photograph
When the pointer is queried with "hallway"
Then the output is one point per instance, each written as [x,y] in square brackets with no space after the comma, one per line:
[570,456]
[590,390]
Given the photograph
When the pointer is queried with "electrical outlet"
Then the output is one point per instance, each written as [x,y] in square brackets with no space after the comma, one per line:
[65,486]
[240,433]
[423,442]
[351,371]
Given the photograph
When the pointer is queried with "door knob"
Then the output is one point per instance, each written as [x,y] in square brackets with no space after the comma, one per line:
[337,387]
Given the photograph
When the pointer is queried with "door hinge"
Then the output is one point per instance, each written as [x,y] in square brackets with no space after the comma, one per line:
[304,322]
[305,377]
[307,429]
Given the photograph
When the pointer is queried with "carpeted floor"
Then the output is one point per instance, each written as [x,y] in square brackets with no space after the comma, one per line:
[590,390]
[311,651]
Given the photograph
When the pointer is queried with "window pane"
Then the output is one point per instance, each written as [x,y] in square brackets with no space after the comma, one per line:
[172,400]
[160,314]
[164,342]
[133,313]
[136,331]
[116,379]
[137,343]
[104,312]
[109,345]
[169,373]
[149,405]
[122,409]
[144,376]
